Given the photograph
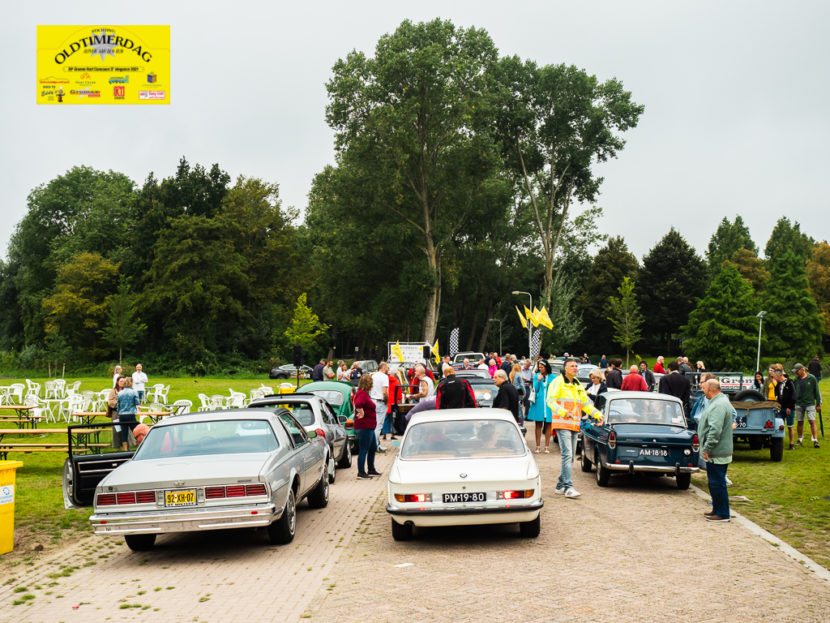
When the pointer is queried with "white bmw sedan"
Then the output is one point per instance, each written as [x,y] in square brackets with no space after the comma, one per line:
[464,467]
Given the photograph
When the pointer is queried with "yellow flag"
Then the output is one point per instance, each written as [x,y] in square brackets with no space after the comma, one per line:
[544,319]
[435,352]
[521,318]
[396,350]
[531,316]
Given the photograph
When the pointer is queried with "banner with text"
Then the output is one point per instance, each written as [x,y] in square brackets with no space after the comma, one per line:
[103,65]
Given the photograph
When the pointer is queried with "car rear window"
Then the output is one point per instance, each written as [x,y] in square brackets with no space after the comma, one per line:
[462,439]
[332,397]
[645,411]
[206,438]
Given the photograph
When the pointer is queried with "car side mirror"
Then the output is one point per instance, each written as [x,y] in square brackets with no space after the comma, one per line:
[311,434]
[342,419]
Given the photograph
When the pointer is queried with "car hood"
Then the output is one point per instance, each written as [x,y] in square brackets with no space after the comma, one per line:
[450,470]
[651,431]
[189,471]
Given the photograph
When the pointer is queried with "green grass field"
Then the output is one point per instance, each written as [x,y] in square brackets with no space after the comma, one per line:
[791,499]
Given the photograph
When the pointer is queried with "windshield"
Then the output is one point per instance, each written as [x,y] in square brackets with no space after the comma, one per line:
[332,397]
[461,439]
[645,411]
[303,411]
[205,438]
[484,393]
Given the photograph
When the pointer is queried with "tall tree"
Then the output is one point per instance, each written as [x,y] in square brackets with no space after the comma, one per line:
[726,241]
[751,268]
[818,275]
[555,122]
[566,319]
[793,321]
[612,263]
[414,115]
[670,280]
[122,327]
[785,237]
[305,327]
[721,329]
[625,317]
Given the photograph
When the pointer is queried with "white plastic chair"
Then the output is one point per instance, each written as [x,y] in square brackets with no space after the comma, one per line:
[236,400]
[255,394]
[16,393]
[32,387]
[72,405]
[74,386]
[161,393]
[266,391]
[38,412]
[152,392]
[218,401]
[205,406]
[180,407]
[50,390]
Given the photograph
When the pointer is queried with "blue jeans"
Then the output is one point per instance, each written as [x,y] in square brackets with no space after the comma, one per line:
[366,444]
[716,474]
[567,444]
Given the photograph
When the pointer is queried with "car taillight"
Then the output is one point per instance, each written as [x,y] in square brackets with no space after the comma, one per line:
[413,497]
[235,491]
[145,497]
[320,432]
[125,498]
[212,493]
[255,490]
[350,422]
[105,499]
[769,424]
[612,440]
[695,443]
[514,495]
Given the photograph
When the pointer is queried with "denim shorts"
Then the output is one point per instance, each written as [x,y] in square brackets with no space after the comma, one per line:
[789,419]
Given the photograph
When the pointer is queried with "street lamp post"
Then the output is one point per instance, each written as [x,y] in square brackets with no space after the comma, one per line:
[499,321]
[760,315]
[529,324]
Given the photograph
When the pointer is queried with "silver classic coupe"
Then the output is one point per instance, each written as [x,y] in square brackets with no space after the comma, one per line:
[210,471]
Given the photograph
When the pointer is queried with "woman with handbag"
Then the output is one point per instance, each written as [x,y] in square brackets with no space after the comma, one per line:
[365,421]
[539,412]
[127,404]
[112,410]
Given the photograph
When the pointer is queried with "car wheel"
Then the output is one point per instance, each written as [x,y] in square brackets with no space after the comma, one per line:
[319,497]
[282,530]
[346,456]
[776,449]
[603,475]
[330,467]
[585,462]
[683,481]
[531,529]
[755,442]
[401,531]
[68,502]
[140,542]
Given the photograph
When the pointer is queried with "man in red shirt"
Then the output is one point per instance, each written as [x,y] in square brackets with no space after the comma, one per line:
[658,367]
[634,382]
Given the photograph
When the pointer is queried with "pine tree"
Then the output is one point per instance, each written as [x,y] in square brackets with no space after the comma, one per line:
[818,274]
[625,317]
[785,237]
[794,327]
[721,327]
[751,268]
[727,239]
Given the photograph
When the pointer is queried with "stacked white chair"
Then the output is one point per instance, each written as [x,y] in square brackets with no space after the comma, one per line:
[39,412]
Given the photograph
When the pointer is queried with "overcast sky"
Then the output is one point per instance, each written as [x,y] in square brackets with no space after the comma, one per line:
[736,99]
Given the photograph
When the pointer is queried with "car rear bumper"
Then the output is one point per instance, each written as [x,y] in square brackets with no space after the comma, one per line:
[190,520]
[654,469]
[465,516]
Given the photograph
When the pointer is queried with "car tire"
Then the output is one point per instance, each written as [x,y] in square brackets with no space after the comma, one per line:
[603,475]
[531,529]
[140,542]
[749,395]
[282,530]
[585,462]
[401,531]
[319,497]
[67,478]
[346,456]
[755,442]
[776,449]
[331,468]
[683,481]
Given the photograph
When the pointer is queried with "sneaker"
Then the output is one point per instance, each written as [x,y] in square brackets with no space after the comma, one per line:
[375,473]
[792,447]
[363,476]
[717,518]
[728,482]
[815,443]
[708,513]
[799,442]
[572,493]
[380,449]
[559,491]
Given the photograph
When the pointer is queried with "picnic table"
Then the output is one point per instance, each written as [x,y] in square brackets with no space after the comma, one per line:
[22,417]
[87,416]
[83,439]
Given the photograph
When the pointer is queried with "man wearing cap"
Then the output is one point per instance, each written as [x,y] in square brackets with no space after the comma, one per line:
[807,399]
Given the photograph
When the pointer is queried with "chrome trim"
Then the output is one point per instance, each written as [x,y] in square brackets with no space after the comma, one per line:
[620,467]
[160,522]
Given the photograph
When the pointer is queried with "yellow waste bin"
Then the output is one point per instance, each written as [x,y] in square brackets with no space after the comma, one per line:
[7,473]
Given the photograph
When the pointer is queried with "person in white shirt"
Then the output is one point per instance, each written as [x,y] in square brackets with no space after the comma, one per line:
[116,374]
[426,386]
[139,380]
[380,395]
[482,365]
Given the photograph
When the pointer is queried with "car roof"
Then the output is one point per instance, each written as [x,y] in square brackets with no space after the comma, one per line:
[215,416]
[647,395]
[479,380]
[340,386]
[462,414]
[278,398]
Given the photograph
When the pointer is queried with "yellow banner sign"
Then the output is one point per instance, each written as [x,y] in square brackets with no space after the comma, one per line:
[103,65]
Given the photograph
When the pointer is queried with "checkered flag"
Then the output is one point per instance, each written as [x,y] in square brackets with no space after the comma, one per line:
[454,342]
[536,343]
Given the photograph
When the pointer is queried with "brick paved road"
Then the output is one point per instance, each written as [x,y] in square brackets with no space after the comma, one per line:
[636,551]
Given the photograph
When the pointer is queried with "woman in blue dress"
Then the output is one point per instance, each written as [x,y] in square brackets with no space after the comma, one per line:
[539,411]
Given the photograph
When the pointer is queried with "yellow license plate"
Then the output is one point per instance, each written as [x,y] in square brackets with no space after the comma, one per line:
[183,497]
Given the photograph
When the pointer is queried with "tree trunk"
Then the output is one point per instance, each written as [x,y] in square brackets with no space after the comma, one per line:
[434,294]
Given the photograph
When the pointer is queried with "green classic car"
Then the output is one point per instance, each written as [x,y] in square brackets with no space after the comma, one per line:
[340,397]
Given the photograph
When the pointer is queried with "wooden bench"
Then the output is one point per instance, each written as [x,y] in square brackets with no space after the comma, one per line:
[28,448]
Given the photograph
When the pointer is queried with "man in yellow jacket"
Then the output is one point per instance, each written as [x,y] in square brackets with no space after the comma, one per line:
[567,401]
